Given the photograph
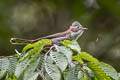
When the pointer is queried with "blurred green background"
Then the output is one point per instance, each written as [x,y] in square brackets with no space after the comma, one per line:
[31,19]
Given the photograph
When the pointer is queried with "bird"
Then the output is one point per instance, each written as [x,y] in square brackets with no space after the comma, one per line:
[73,33]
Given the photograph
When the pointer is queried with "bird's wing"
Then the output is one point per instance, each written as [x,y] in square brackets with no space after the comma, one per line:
[61,34]
[26,41]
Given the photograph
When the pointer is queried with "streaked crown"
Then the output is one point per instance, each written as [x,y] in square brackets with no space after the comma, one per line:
[76,24]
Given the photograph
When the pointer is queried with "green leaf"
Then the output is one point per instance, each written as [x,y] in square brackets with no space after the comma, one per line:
[110,70]
[72,45]
[72,73]
[34,76]
[85,56]
[29,46]
[52,70]
[41,61]
[36,55]
[4,64]
[88,57]
[77,58]
[10,77]
[89,71]
[98,71]
[60,59]
[77,69]
[84,78]
[47,77]
[20,68]
[34,52]
[69,74]
[37,48]
[67,52]
[30,73]
[80,75]
[12,66]
[43,41]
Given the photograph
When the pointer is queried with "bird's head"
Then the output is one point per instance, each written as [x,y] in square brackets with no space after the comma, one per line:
[76,26]
[77,30]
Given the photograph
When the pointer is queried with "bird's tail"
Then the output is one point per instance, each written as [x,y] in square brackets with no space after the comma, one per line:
[20,41]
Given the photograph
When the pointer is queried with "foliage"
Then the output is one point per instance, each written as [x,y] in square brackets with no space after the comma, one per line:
[32,18]
[44,60]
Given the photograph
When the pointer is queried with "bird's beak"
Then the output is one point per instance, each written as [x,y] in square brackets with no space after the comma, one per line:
[83,28]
